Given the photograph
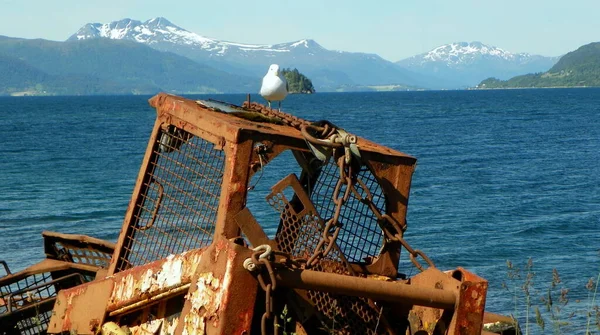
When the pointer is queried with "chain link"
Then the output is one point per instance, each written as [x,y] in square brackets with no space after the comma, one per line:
[328,238]
[259,260]
[333,226]
[394,234]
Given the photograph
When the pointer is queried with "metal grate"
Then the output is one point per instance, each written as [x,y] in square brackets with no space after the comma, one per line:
[298,235]
[71,253]
[26,301]
[341,314]
[360,236]
[17,290]
[34,325]
[178,204]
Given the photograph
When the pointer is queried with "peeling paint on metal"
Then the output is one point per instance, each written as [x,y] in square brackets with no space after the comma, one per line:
[175,270]
[205,301]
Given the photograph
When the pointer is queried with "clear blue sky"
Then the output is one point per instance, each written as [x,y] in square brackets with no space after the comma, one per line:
[394,29]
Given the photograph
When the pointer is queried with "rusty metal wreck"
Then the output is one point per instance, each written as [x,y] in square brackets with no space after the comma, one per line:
[191,257]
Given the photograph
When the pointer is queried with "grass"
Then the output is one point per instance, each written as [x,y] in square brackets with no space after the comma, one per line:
[550,303]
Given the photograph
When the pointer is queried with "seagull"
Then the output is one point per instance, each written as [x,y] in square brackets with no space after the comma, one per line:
[274,86]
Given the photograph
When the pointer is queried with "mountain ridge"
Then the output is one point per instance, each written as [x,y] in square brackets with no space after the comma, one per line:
[454,65]
[101,64]
[328,69]
[225,66]
[468,62]
[578,68]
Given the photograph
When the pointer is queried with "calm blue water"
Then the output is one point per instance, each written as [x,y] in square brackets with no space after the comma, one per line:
[501,175]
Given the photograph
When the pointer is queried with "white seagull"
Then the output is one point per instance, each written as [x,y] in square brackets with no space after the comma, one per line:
[274,86]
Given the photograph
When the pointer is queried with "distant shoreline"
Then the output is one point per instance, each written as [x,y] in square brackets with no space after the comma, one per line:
[32,94]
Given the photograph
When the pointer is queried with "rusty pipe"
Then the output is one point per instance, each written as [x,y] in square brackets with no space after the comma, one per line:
[368,288]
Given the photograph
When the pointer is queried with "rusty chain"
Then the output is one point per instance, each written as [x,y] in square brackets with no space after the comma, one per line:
[260,260]
[328,238]
[398,230]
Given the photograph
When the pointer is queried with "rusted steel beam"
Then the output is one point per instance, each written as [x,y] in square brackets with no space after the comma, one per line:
[229,126]
[469,313]
[83,308]
[47,265]
[79,240]
[236,177]
[368,288]
[141,282]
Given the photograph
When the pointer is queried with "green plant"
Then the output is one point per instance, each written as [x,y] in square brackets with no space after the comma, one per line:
[286,318]
[593,311]
[513,274]
[555,306]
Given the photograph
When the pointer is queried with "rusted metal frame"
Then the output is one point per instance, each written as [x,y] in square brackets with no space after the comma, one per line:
[470,308]
[24,292]
[467,315]
[144,281]
[223,123]
[80,241]
[84,308]
[252,229]
[47,265]
[222,296]
[193,123]
[165,117]
[236,176]
[145,302]
[140,186]
[81,309]
[214,122]
[395,179]
[191,113]
[367,288]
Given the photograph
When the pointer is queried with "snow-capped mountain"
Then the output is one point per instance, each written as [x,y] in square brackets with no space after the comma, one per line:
[327,69]
[160,31]
[469,63]
[453,65]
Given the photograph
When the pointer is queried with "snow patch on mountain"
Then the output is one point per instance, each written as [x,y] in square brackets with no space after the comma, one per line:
[465,53]
[161,30]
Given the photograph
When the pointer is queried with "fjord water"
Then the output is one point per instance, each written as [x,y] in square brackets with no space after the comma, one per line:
[501,175]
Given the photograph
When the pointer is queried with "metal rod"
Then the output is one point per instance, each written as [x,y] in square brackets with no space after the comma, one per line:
[368,288]
[144,302]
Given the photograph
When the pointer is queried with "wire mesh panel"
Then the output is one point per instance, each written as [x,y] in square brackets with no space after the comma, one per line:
[90,256]
[35,324]
[26,300]
[360,235]
[178,202]
[298,235]
[16,291]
